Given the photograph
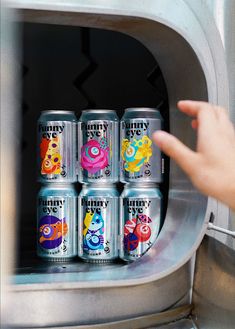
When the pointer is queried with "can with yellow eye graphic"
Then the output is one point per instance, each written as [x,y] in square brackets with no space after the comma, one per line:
[140,159]
[57,146]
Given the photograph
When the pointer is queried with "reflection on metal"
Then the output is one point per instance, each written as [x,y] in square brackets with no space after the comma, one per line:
[145,321]
[181,324]
[214,287]
[79,292]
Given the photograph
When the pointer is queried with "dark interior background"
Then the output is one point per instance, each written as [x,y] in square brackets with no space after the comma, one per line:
[76,68]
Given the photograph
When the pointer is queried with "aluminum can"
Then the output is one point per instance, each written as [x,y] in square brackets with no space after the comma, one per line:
[98,208]
[57,136]
[98,144]
[140,219]
[57,222]
[140,159]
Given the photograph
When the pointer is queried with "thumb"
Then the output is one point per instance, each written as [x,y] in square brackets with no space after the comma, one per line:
[171,146]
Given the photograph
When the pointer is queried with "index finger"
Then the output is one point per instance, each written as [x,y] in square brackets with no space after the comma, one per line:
[193,108]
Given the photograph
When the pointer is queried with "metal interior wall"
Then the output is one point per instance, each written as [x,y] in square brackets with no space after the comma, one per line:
[162,41]
[152,34]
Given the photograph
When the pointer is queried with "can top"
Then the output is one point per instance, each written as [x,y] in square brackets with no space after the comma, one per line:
[141,185]
[138,109]
[55,185]
[99,185]
[98,115]
[57,112]
[142,112]
[98,111]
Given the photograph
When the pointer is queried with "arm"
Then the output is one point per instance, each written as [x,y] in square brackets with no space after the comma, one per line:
[211,167]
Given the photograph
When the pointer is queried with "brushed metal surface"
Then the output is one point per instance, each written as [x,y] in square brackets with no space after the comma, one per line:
[165,35]
[223,14]
[184,39]
[38,305]
[214,286]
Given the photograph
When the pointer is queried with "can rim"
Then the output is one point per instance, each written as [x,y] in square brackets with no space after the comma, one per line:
[141,185]
[98,111]
[60,111]
[139,109]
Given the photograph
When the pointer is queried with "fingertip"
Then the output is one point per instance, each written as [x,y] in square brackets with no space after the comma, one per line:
[159,137]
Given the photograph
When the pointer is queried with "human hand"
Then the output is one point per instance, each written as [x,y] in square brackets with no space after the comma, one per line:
[211,167]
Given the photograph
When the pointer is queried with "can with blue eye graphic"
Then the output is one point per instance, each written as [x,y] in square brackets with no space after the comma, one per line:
[140,159]
[57,147]
[98,208]
[57,222]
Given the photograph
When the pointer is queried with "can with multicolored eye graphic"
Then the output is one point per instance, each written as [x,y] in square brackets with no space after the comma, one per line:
[140,159]
[57,142]
[98,214]
[57,222]
[140,219]
[98,145]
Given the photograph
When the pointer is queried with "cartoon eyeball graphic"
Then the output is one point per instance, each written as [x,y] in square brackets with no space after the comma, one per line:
[143,231]
[93,151]
[47,166]
[94,242]
[47,231]
[130,152]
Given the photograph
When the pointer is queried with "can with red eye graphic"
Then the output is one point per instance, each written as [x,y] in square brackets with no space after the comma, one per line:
[57,137]
[57,222]
[140,219]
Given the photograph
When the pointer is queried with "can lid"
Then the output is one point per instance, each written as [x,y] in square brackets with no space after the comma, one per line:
[99,185]
[58,185]
[141,109]
[142,185]
[98,111]
[58,111]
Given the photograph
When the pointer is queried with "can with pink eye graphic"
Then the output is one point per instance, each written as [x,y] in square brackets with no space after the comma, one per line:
[57,138]
[140,219]
[98,146]
[57,222]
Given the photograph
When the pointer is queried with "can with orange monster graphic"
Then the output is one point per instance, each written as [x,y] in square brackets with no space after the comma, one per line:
[140,159]
[57,222]
[57,146]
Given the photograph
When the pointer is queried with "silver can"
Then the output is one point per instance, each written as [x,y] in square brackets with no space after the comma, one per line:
[57,142]
[140,219]
[98,144]
[140,159]
[57,222]
[98,209]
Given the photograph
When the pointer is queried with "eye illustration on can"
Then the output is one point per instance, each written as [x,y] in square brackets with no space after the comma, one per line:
[136,153]
[51,231]
[93,231]
[50,156]
[95,155]
[136,230]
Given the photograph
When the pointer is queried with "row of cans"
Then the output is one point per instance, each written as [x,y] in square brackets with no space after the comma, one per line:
[97,148]
[98,225]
